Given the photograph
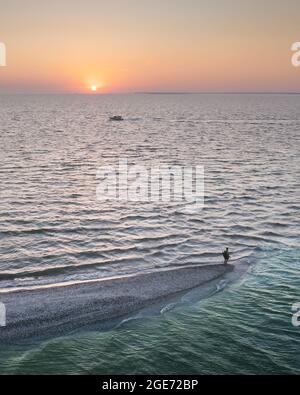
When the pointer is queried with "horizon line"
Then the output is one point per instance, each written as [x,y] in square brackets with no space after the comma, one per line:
[156,93]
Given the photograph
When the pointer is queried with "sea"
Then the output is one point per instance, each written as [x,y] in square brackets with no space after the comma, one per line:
[54,230]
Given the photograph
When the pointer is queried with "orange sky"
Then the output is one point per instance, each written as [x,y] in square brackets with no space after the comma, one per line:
[153,45]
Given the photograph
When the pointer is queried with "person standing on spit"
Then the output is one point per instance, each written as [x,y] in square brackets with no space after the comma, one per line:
[226,256]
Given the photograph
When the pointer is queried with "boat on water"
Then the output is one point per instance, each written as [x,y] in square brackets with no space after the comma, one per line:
[116,118]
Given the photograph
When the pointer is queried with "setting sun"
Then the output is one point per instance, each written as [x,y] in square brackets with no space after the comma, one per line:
[93,88]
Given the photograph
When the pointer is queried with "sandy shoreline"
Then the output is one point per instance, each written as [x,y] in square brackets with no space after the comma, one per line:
[55,311]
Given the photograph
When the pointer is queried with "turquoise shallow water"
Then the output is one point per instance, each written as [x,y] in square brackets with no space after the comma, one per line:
[245,329]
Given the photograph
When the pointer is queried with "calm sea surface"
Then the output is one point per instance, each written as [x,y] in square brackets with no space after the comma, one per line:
[53,229]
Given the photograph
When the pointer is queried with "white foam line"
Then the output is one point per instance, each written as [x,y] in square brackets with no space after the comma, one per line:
[94,280]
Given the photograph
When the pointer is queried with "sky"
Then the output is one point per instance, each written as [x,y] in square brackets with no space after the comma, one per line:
[149,45]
